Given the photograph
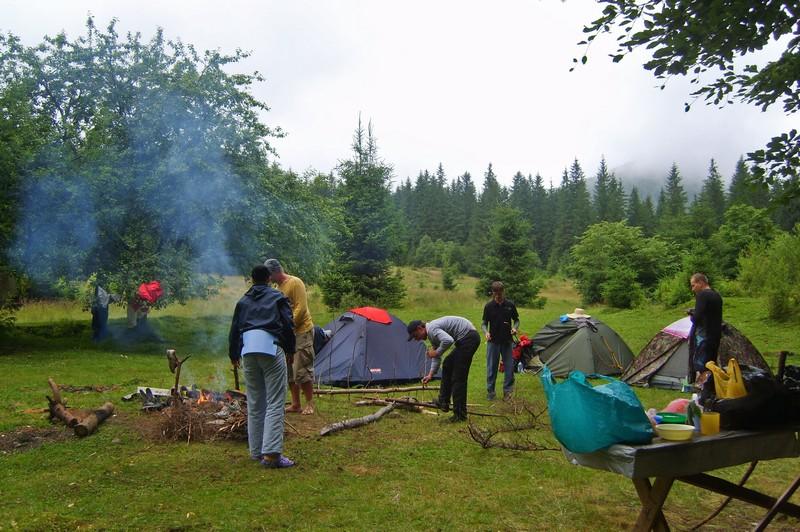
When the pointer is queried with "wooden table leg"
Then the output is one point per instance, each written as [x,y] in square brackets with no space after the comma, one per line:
[652,498]
[777,506]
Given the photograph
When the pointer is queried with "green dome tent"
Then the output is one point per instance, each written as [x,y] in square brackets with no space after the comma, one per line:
[586,344]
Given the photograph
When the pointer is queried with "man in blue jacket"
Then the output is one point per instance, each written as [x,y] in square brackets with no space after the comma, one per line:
[262,331]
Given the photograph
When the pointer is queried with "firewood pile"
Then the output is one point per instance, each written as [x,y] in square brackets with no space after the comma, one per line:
[193,421]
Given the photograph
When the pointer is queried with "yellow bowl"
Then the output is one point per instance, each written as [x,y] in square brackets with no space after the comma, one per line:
[675,432]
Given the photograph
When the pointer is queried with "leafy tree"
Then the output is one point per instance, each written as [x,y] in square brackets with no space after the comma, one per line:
[509,258]
[695,38]
[774,271]
[744,226]
[360,274]
[426,252]
[152,167]
[608,253]
[21,135]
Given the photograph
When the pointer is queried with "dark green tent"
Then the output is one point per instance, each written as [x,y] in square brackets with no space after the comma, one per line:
[585,344]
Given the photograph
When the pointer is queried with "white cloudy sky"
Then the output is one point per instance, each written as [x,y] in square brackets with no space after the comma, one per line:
[460,82]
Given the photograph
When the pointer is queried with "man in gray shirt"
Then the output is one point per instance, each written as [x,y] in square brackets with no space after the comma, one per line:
[444,333]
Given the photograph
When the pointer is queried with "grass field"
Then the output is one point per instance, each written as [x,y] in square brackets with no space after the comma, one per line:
[407,472]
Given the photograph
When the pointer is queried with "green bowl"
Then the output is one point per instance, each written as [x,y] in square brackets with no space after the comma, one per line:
[672,417]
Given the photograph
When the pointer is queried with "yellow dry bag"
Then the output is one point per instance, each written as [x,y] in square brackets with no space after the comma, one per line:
[728,384]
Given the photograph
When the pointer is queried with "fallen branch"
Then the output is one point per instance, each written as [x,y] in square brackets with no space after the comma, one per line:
[357,422]
[485,437]
[349,391]
[383,402]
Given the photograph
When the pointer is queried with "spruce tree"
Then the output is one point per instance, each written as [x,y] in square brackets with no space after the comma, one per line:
[743,191]
[360,274]
[508,258]
[601,192]
[632,215]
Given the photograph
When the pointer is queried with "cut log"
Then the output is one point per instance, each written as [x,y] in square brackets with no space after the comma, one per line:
[89,424]
[374,390]
[357,422]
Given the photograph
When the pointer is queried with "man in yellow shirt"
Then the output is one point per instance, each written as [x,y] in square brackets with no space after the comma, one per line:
[301,362]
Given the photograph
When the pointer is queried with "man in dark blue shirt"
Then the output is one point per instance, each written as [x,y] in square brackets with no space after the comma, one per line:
[500,322]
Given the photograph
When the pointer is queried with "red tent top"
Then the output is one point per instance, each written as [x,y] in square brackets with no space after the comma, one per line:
[374,314]
[151,291]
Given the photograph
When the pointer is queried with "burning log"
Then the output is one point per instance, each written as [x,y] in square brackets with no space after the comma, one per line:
[357,422]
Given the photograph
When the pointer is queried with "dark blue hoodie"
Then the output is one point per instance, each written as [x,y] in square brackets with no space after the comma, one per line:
[262,307]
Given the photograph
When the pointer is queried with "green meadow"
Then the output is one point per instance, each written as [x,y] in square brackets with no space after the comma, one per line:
[409,471]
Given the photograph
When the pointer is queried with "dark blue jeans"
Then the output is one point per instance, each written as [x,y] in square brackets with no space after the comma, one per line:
[494,352]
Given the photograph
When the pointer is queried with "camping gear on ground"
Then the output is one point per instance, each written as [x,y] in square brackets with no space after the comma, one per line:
[768,403]
[583,344]
[587,418]
[523,353]
[664,361]
[728,383]
[675,432]
[365,350]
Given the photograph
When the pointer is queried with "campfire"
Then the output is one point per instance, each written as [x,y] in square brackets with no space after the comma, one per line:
[195,414]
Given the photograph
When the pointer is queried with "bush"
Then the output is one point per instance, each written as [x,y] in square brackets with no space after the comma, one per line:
[610,255]
[621,289]
[775,272]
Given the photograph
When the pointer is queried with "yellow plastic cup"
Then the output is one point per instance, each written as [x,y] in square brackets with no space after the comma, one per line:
[709,423]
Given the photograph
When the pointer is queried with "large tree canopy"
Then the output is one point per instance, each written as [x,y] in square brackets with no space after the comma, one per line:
[708,40]
[151,163]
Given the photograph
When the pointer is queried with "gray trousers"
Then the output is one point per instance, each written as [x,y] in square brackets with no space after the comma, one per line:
[265,376]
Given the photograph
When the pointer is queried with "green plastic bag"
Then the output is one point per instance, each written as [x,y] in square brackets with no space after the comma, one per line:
[588,418]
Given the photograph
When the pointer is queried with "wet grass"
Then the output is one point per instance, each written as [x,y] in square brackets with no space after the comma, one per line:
[407,472]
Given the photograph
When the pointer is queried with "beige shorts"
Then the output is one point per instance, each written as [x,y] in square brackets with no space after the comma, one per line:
[302,367]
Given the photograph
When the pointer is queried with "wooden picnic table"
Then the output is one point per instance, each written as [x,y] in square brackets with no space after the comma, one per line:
[667,461]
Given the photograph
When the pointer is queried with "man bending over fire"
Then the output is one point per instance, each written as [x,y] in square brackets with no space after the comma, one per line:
[262,331]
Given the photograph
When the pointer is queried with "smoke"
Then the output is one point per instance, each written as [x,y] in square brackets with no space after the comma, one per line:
[56,229]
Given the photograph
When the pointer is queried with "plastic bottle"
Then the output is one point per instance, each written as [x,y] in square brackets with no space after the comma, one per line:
[694,412]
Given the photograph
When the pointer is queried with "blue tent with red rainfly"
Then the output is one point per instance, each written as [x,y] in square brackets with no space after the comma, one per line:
[369,347]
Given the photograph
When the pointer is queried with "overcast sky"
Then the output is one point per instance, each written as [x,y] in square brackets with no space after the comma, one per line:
[464,83]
